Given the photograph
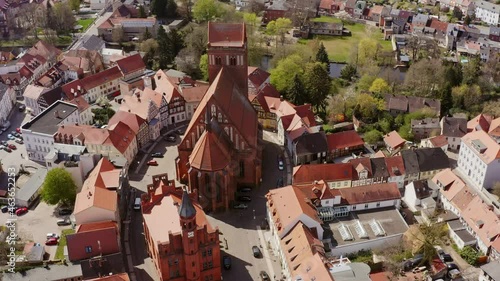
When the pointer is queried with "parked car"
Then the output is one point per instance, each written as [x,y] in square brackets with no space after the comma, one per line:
[2,147]
[22,108]
[244,198]
[152,163]
[19,141]
[20,137]
[170,138]
[451,266]
[281,165]
[226,261]
[6,148]
[256,252]
[12,146]
[179,132]
[5,209]
[11,137]
[51,242]
[264,276]
[52,235]
[21,211]
[240,206]
[63,222]
[18,130]
[4,143]
[157,155]
[446,258]
[65,212]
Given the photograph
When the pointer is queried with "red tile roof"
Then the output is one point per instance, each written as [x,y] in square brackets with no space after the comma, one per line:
[226,34]
[257,76]
[120,136]
[101,242]
[131,64]
[328,172]
[395,165]
[480,122]
[495,128]
[370,193]
[343,140]
[326,4]
[209,153]
[438,141]
[102,77]
[364,162]
[132,120]
[114,277]
[95,226]
[318,190]
[439,25]
[394,140]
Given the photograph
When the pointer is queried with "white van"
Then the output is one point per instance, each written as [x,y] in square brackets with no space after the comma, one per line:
[137,203]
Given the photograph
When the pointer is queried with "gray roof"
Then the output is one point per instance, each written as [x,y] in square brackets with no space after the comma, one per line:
[34,183]
[492,7]
[54,272]
[69,149]
[494,30]
[420,19]
[46,122]
[455,225]
[278,5]
[432,159]
[410,161]
[454,127]
[186,210]
[36,253]
[355,271]
[94,43]
[175,73]
[110,264]
[429,123]
[465,236]
[311,144]
[492,269]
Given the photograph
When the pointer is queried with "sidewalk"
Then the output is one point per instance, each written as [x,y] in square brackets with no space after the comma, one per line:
[271,137]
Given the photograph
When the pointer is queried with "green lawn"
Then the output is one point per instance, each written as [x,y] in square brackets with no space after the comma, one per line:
[339,48]
[62,244]
[85,23]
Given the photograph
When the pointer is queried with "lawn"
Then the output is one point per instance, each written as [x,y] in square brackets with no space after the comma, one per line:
[85,23]
[62,244]
[339,48]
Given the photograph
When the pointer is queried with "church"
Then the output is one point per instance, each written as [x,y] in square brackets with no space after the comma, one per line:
[222,147]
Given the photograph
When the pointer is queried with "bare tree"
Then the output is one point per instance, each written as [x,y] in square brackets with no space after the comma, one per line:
[31,16]
[117,34]
[422,47]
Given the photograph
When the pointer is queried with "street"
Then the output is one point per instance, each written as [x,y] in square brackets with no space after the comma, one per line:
[235,226]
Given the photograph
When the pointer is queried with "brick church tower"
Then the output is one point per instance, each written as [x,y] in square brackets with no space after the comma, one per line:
[228,47]
[187,217]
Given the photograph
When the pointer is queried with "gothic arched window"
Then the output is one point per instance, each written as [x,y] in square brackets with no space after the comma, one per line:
[218,60]
[214,110]
[232,60]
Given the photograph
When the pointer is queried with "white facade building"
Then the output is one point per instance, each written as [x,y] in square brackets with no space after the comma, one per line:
[479,159]
[31,95]
[7,100]
[488,12]
[39,132]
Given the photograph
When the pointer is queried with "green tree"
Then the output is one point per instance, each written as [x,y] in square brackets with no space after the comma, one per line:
[150,48]
[373,136]
[446,100]
[317,85]
[379,86]
[368,50]
[204,66]
[467,20]
[296,95]
[142,12]
[385,125]
[279,28]
[164,56]
[365,82]
[75,5]
[368,107]
[147,35]
[158,8]
[58,187]
[466,97]
[492,108]
[469,255]
[322,55]
[471,71]
[171,9]
[405,132]
[206,10]
[282,75]
[251,20]
[348,72]
[102,115]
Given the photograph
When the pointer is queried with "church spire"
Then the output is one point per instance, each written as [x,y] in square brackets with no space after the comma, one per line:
[186,210]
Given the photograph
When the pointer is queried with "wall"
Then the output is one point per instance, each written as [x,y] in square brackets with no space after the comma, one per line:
[376,243]
[373,205]
[458,241]
[339,184]
[94,214]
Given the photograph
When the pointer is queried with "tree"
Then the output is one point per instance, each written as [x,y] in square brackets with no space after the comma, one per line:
[467,20]
[365,82]
[188,62]
[204,66]
[471,71]
[251,20]
[184,9]
[317,85]
[31,16]
[196,37]
[469,255]
[492,108]
[446,100]
[379,86]
[117,34]
[385,125]
[348,72]
[102,115]
[62,18]
[282,75]
[423,79]
[368,50]
[146,35]
[170,9]
[457,13]
[75,5]
[422,47]
[466,97]
[373,136]
[297,94]
[368,107]
[142,12]
[58,187]
[322,55]
[279,28]
[206,10]
[150,48]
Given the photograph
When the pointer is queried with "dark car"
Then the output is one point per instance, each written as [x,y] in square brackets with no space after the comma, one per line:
[65,212]
[22,107]
[264,276]
[157,155]
[21,211]
[412,263]
[256,252]
[7,149]
[170,138]
[244,198]
[279,183]
[179,132]
[446,258]
[226,261]
[245,189]
[5,209]
[451,266]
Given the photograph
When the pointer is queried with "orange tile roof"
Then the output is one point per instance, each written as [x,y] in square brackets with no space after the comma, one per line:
[492,151]
[343,140]
[482,220]
[299,244]
[463,198]
[226,34]
[209,153]
[140,101]
[480,122]
[44,49]
[327,172]
[496,244]
[450,183]
[495,128]
[114,277]
[361,163]
[104,175]
[95,226]
[131,64]
[92,196]
[166,87]
[370,193]
[438,141]
[102,78]
[287,204]
[394,140]
[439,25]
[81,103]
[314,268]
[132,120]
[395,165]
[120,136]
[318,191]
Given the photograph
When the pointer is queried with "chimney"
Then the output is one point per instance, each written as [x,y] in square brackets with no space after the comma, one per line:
[79,88]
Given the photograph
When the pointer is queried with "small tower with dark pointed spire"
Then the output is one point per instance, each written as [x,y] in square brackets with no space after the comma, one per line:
[187,215]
